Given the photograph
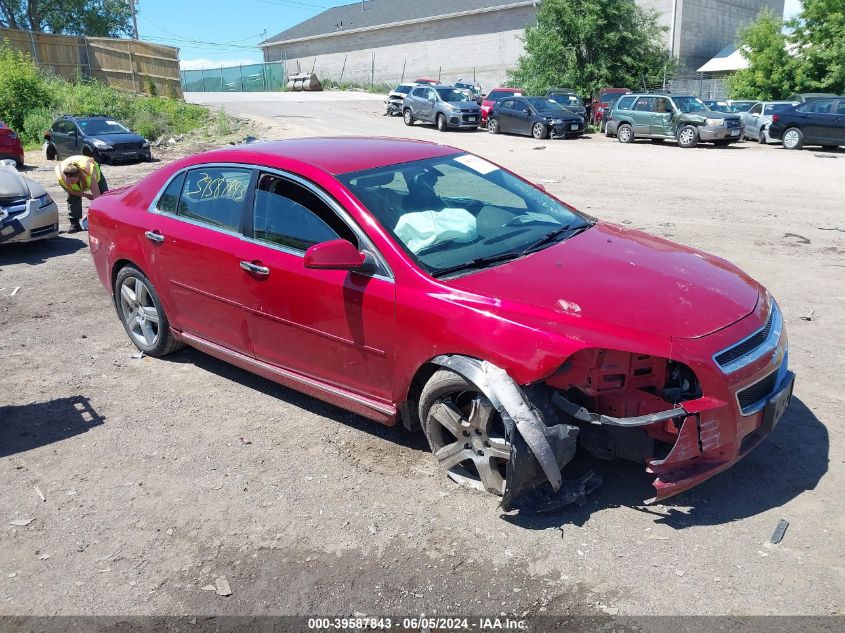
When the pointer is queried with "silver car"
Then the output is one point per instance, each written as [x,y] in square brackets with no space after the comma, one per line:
[756,121]
[27,212]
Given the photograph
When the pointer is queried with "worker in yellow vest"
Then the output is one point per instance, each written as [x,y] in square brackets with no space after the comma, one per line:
[81,177]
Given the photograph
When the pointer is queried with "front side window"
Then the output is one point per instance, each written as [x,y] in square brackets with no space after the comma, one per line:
[419,92]
[215,195]
[840,109]
[289,215]
[460,211]
[757,109]
[505,104]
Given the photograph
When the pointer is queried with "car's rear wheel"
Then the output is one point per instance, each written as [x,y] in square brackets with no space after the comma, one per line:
[625,133]
[465,432]
[492,126]
[793,138]
[142,314]
[539,131]
[441,123]
[688,136]
[408,116]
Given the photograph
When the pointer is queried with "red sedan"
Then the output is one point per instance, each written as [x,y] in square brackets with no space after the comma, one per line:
[411,281]
[10,145]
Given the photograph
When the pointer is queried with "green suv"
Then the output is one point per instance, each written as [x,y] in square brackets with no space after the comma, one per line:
[659,116]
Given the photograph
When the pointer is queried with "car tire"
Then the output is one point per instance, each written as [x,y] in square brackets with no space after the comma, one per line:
[763,136]
[459,422]
[688,136]
[793,138]
[50,152]
[539,131]
[492,126]
[408,116]
[142,314]
[440,121]
[625,133]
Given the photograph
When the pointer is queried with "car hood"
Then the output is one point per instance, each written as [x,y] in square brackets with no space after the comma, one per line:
[625,278]
[117,138]
[567,115]
[12,184]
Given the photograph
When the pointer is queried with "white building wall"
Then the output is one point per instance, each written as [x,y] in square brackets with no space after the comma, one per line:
[485,46]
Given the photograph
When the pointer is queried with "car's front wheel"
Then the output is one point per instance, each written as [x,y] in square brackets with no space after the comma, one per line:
[625,133]
[441,123]
[688,136]
[465,432]
[763,136]
[492,126]
[408,116]
[142,314]
[539,131]
[793,138]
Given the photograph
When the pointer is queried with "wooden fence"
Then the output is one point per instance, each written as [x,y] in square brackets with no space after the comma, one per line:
[130,65]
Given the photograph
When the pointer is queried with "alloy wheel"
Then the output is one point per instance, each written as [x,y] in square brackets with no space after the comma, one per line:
[791,139]
[493,126]
[687,136]
[624,134]
[538,131]
[469,441]
[139,311]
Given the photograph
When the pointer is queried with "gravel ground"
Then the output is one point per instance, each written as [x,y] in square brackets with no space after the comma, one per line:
[160,476]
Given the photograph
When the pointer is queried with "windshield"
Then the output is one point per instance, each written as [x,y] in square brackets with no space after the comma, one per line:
[566,100]
[544,105]
[771,108]
[501,94]
[742,106]
[101,126]
[450,94]
[690,104]
[453,211]
[403,89]
[719,106]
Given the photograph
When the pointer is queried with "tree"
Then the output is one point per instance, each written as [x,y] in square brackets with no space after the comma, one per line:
[818,37]
[590,44]
[96,18]
[771,69]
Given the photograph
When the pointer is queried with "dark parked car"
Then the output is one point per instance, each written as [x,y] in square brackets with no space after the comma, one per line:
[569,99]
[801,97]
[98,136]
[443,105]
[534,116]
[814,122]
[10,145]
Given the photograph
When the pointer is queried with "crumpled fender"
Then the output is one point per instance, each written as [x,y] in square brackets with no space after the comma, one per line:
[538,451]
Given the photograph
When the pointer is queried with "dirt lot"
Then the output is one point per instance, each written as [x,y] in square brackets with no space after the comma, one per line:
[162,475]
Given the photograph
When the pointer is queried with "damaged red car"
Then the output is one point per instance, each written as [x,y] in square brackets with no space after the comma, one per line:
[409,281]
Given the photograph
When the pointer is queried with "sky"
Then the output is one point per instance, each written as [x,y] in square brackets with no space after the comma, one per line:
[214,33]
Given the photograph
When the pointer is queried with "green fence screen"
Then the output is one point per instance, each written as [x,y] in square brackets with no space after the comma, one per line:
[267,77]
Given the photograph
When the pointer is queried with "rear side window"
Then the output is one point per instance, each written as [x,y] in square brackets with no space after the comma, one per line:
[168,202]
[757,109]
[819,106]
[840,109]
[419,92]
[290,215]
[645,104]
[625,103]
[505,104]
[215,195]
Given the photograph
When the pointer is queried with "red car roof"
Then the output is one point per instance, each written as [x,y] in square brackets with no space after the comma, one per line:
[338,155]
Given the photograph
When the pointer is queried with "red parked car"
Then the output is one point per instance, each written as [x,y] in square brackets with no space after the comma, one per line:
[603,102]
[10,145]
[410,281]
[494,96]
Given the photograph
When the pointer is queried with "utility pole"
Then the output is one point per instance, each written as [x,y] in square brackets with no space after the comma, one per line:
[134,11]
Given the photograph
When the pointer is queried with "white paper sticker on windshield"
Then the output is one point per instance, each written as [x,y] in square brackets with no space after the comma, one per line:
[476,164]
[111,122]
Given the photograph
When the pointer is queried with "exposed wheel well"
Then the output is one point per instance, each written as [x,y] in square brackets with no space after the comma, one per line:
[120,263]
[408,409]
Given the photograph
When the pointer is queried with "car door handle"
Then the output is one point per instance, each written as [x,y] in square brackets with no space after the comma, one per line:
[154,236]
[255,269]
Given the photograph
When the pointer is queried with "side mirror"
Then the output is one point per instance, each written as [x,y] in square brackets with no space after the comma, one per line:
[335,255]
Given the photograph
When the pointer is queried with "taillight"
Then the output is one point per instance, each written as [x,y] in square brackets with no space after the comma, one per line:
[775,118]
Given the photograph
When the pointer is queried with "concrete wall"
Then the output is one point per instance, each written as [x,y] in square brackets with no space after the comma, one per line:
[707,26]
[485,45]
